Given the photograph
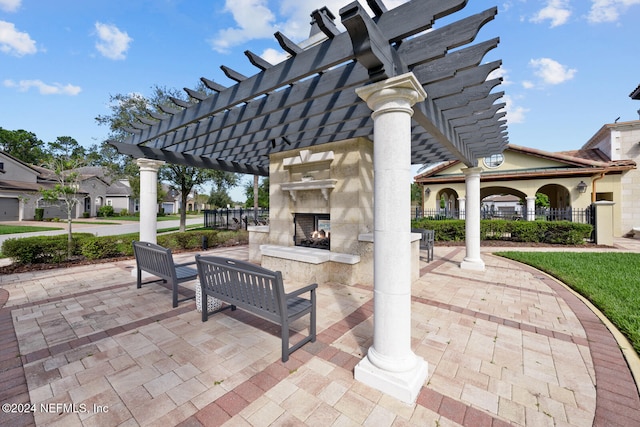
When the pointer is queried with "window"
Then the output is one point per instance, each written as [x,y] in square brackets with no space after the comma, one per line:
[493,161]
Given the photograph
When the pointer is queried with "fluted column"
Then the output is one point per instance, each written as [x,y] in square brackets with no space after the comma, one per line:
[148,198]
[472,260]
[390,365]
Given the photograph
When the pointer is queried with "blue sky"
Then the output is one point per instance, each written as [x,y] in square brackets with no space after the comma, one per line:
[568,65]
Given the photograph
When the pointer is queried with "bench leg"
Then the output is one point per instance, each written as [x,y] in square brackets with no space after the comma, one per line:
[285,342]
[312,318]
[139,284]
[205,305]
[175,294]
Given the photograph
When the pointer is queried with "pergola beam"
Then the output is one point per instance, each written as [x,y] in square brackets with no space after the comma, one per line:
[139,152]
[309,98]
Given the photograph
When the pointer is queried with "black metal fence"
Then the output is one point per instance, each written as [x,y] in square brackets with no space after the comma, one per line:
[583,216]
[235,219]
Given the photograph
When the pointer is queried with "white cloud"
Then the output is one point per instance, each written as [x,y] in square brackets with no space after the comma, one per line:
[528,84]
[44,88]
[556,11]
[254,21]
[274,56]
[515,113]
[10,5]
[551,72]
[15,42]
[500,73]
[113,43]
[608,10]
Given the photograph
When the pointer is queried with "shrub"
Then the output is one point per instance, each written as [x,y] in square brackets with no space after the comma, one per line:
[105,211]
[557,232]
[41,249]
[124,212]
[100,247]
[85,214]
[53,249]
[39,214]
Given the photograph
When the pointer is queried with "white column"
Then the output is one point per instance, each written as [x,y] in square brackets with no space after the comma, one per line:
[531,209]
[148,198]
[390,365]
[472,220]
[461,207]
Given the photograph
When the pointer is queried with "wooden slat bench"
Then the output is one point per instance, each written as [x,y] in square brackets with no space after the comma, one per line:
[158,261]
[259,291]
[426,241]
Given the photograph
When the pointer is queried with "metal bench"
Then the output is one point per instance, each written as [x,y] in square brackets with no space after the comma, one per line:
[157,260]
[426,241]
[259,291]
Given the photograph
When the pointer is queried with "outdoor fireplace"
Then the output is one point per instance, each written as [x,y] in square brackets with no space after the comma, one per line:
[312,230]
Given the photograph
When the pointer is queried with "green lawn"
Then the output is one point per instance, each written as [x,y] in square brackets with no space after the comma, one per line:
[12,229]
[611,281]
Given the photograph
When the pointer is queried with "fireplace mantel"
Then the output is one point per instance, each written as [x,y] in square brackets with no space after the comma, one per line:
[324,185]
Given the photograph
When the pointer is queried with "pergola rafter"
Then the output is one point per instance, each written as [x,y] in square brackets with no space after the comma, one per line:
[309,99]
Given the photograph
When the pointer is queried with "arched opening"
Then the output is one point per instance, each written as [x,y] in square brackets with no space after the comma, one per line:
[502,202]
[448,203]
[559,196]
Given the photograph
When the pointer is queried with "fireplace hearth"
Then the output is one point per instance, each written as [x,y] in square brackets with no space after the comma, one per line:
[312,230]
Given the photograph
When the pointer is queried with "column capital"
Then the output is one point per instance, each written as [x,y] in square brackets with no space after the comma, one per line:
[472,171]
[530,198]
[404,87]
[149,164]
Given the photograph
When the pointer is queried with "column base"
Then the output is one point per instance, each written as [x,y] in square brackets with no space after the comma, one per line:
[472,264]
[404,386]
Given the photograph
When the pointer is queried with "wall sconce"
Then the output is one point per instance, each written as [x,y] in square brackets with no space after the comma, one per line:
[427,191]
[582,187]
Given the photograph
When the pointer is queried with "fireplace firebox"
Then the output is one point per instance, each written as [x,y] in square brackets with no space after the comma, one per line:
[312,230]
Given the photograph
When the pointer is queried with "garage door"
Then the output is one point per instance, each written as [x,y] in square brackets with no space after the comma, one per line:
[9,209]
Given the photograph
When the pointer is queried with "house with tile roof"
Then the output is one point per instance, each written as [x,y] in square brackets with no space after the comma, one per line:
[20,185]
[603,169]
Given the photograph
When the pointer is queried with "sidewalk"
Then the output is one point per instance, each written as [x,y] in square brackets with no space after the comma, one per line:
[86,226]
[507,346]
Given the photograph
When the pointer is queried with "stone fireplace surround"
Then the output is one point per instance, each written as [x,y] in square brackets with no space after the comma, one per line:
[335,179]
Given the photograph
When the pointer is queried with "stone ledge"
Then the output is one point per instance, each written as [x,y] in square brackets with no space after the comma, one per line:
[308,255]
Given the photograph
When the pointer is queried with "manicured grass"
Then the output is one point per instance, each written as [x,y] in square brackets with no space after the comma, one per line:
[611,281]
[13,229]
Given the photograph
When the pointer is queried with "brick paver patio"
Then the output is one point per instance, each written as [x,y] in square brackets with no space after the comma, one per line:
[507,346]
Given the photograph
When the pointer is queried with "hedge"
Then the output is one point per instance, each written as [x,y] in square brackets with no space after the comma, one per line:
[53,249]
[42,249]
[557,232]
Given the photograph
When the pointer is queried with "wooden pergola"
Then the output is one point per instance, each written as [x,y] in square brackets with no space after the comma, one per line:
[431,99]
[309,99]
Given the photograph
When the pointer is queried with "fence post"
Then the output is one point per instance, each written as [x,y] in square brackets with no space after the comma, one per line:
[604,223]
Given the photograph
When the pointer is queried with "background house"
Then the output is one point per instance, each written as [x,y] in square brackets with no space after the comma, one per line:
[604,169]
[120,197]
[20,186]
[620,141]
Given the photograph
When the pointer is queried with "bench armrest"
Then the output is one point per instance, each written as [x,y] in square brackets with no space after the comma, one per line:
[297,292]
[184,264]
